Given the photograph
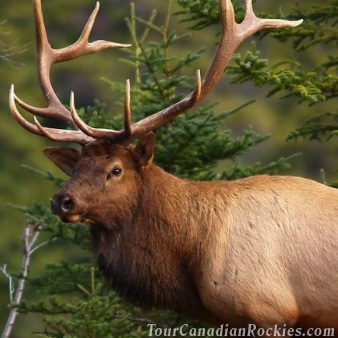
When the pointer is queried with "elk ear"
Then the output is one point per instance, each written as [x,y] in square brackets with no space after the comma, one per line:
[143,153]
[64,158]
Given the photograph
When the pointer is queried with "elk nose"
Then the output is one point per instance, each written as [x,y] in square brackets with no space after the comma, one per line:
[61,204]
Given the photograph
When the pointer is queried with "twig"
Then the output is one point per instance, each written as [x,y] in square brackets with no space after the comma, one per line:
[29,238]
[10,282]
[7,51]
[42,244]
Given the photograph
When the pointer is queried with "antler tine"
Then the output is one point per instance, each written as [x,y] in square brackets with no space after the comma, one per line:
[196,95]
[53,134]
[127,111]
[94,133]
[82,46]
[46,57]
[101,133]
[232,35]
[130,131]
[17,116]
[251,24]
[63,135]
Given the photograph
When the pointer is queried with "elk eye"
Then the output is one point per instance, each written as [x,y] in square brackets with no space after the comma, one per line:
[115,172]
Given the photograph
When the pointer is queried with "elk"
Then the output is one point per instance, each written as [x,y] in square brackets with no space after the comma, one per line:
[261,250]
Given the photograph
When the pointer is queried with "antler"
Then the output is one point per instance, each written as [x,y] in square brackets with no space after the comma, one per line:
[232,35]
[46,57]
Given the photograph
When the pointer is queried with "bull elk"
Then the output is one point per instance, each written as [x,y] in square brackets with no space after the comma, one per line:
[260,250]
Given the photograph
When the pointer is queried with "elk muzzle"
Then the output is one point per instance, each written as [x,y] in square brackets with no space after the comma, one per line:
[63,205]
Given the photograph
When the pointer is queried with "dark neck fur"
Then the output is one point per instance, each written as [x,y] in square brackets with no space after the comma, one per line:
[151,258]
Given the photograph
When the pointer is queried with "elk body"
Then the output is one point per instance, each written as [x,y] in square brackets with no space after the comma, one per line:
[261,250]
[258,250]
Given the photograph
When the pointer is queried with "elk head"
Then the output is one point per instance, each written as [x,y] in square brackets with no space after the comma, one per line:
[103,174]
[108,161]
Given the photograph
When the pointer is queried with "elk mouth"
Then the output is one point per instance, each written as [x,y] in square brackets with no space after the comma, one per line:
[75,218]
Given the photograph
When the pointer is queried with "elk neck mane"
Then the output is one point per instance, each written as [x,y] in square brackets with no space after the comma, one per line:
[151,258]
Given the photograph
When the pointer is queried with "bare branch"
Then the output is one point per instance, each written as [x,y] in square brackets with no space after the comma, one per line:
[29,238]
[10,281]
[9,50]
[39,246]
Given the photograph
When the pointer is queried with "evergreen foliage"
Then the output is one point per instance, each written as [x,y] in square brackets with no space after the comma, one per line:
[289,78]
[72,296]
[320,29]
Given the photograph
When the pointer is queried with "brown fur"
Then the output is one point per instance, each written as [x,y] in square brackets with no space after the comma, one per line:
[260,250]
